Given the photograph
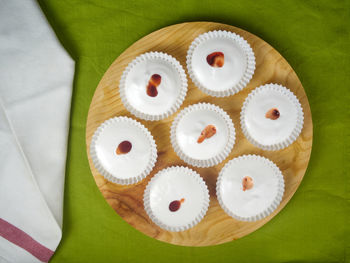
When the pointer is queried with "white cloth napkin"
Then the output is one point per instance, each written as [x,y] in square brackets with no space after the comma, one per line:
[36,77]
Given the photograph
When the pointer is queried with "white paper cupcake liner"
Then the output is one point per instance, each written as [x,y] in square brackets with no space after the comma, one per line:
[197,219]
[213,160]
[297,129]
[163,57]
[114,177]
[249,54]
[272,207]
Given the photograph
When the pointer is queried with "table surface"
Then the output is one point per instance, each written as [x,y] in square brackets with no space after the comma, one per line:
[313,36]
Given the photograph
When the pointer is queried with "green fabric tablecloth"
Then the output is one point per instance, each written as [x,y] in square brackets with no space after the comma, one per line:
[314,38]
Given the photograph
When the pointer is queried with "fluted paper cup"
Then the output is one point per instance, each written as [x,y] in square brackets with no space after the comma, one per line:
[292,116]
[258,202]
[128,168]
[171,91]
[187,127]
[172,185]
[237,70]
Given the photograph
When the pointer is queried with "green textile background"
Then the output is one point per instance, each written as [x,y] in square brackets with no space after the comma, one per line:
[314,38]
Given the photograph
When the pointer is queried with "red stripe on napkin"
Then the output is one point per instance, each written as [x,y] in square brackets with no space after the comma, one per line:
[23,240]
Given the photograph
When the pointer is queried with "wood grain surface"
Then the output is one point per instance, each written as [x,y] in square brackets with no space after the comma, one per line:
[216,227]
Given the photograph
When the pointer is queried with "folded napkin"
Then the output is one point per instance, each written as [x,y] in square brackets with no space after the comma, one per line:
[36,76]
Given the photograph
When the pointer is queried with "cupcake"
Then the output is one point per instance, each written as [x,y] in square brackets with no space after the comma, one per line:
[271,117]
[123,150]
[153,86]
[249,187]
[202,135]
[220,63]
[176,198]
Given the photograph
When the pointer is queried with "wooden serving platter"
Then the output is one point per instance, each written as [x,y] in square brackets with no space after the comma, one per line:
[216,227]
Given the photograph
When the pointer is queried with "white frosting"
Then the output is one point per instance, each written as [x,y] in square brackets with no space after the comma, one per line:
[264,130]
[215,78]
[174,184]
[190,127]
[256,200]
[127,165]
[168,90]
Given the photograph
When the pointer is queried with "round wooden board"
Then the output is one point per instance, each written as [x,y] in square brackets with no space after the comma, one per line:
[216,227]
